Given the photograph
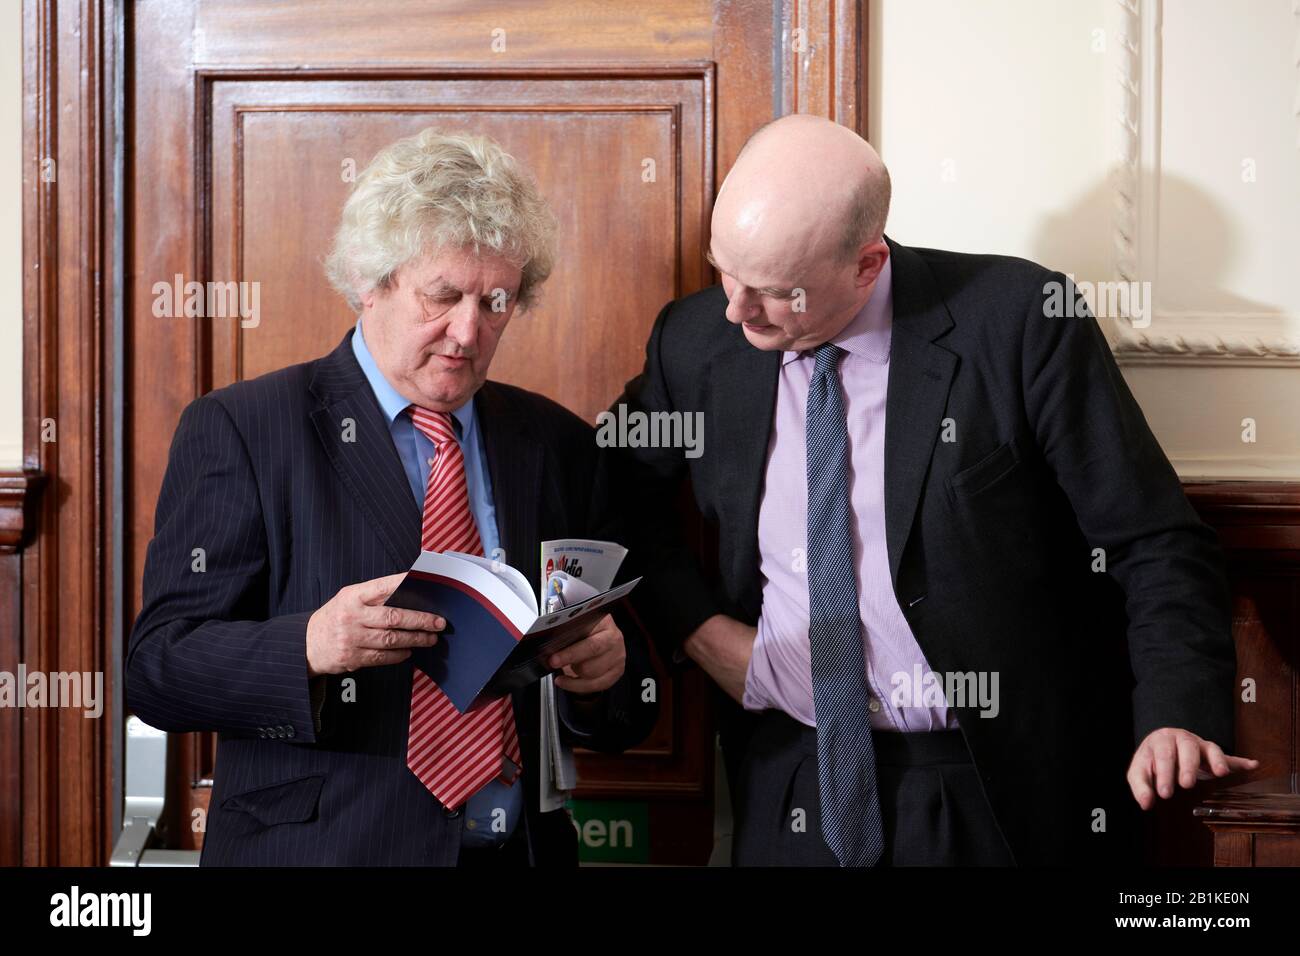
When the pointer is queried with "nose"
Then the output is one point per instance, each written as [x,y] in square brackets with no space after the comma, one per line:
[743,305]
[463,327]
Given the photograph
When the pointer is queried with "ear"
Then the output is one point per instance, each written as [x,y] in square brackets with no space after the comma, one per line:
[871,259]
[367,297]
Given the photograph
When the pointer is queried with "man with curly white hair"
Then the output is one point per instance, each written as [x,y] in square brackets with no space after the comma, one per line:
[313,488]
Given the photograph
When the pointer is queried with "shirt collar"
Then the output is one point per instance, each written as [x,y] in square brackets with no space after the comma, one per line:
[868,334]
[391,401]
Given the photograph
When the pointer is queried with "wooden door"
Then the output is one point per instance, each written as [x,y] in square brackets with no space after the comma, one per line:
[239,121]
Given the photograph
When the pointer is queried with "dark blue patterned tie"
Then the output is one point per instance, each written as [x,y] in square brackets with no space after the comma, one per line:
[846,761]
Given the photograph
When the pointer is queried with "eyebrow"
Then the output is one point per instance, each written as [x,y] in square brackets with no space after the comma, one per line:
[437,286]
[778,292]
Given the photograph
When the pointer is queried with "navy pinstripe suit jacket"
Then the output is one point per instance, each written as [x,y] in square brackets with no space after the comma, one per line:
[291,486]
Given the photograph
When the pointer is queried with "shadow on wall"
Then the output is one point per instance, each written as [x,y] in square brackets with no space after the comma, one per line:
[1200,244]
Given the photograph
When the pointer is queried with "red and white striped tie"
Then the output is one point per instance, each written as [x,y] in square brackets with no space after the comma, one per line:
[453,754]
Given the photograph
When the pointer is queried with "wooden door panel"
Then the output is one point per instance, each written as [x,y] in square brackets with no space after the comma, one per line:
[625,159]
[245,118]
[222,114]
[423,32]
[626,164]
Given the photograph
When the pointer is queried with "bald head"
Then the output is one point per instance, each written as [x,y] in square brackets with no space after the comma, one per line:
[802,209]
[806,183]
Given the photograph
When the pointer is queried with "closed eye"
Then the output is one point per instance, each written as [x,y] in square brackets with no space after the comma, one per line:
[769,292]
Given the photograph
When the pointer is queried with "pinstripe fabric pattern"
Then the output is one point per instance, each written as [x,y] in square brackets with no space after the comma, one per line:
[846,763]
[278,492]
[454,754]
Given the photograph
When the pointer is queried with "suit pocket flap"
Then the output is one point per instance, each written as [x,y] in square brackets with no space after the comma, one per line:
[987,471]
[292,801]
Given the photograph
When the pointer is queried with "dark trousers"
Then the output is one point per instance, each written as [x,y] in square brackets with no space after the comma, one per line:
[932,804]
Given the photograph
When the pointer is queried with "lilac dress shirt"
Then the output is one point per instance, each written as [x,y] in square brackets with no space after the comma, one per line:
[780,670]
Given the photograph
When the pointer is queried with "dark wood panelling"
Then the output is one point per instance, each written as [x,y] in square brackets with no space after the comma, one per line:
[19,492]
[824,60]
[278,145]
[68,262]
[1255,824]
[344,32]
[1258,524]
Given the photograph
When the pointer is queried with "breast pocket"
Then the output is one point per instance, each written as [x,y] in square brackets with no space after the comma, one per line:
[993,470]
[291,801]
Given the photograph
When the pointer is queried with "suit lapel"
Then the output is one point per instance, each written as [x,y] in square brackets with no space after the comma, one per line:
[514,457]
[360,446]
[920,374]
[743,403]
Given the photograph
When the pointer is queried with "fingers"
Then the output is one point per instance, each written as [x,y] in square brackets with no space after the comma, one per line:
[606,623]
[594,663]
[596,666]
[1212,754]
[1189,759]
[603,625]
[1139,778]
[1164,757]
[576,686]
[399,619]
[603,680]
[583,650]
[602,639]
[1170,754]
[371,657]
[377,590]
[594,673]
[1222,764]
[1240,763]
[389,640]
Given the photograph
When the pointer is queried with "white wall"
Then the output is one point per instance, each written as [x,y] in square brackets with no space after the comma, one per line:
[11,212]
[1000,121]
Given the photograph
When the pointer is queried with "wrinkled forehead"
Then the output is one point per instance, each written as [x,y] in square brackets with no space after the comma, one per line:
[461,269]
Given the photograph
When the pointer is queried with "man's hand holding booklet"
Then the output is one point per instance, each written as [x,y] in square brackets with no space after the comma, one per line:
[497,637]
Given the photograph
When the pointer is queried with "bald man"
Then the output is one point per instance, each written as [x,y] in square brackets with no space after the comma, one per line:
[942,521]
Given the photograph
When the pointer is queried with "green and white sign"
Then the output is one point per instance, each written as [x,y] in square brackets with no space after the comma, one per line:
[611,831]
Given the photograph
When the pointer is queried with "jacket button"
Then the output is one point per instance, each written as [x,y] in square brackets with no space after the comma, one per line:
[451,814]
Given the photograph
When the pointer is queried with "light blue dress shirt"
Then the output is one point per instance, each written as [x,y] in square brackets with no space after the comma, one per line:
[417,452]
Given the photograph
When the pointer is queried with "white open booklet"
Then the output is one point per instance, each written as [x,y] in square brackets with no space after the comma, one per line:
[573,570]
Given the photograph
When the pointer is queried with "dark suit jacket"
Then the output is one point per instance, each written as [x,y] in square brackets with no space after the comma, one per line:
[263,477]
[989,537]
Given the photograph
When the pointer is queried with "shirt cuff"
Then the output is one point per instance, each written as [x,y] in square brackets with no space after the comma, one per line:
[755,696]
